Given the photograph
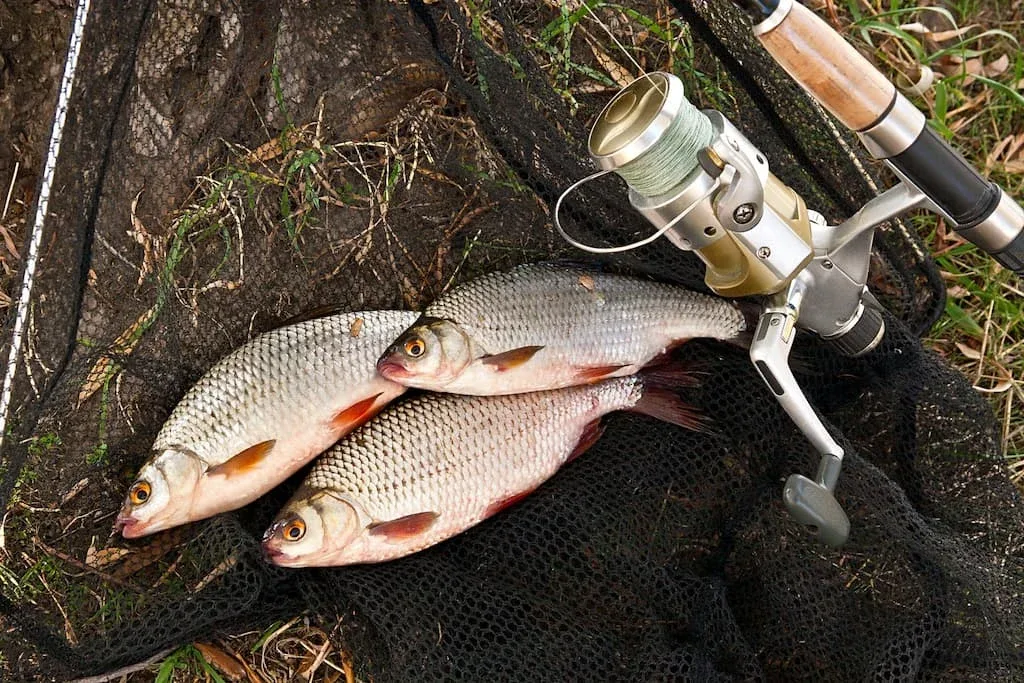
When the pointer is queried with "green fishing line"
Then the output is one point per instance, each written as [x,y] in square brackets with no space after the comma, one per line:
[673,157]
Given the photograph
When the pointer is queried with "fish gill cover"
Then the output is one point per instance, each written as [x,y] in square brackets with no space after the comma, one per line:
[229,165]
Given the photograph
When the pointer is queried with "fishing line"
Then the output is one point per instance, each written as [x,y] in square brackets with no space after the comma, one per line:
[668,160]
[643,72]
[676,152]
[45,186]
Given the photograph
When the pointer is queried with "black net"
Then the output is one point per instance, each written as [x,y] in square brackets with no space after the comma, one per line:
[229,165]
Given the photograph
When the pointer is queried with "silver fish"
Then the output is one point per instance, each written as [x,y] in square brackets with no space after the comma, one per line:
[546,326]
[261,413]
[433,466]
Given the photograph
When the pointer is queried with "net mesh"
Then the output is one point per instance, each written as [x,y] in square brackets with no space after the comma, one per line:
[227,166]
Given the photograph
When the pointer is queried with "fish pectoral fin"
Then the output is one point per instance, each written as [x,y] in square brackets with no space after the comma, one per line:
[404,528]
[505,503]
[596,373]
[356,414]
[511,359]
[244,461]
[591,433]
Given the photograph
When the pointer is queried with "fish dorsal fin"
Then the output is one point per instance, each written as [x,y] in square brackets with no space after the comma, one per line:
[511,359]
[404,528]
[244,461]
[356,414]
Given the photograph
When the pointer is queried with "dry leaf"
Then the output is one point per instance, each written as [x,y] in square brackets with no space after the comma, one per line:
[101,559]
[997,67]
[104,368]
[150,245]
[915,27]
[356,327]
[957,292]
[350,670]
[308,671]
[9,243]
[222,661]
[75,490]
[1002,386]
[265,152]
[220,570]
[968,351]
[151,552]
[618,73]
[1006,150]
[941,36]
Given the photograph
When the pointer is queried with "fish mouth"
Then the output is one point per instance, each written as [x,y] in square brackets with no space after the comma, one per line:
[390,369]
[274,555]
[128,526]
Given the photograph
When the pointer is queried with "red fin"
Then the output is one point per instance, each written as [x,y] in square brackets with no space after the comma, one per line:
[404,528]
[244,461]
[511,359]
[355,415]
[505,503]
[590,375]
[665,405]
[591,433]
[666,373]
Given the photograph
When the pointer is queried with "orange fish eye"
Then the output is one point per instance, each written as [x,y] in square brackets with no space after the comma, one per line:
[295,530]
[415,347]
[139,492]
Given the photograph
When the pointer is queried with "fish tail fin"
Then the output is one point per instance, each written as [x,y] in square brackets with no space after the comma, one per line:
[659,399]
[667,373]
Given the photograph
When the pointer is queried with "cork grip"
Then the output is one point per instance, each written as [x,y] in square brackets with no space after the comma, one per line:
[829,68]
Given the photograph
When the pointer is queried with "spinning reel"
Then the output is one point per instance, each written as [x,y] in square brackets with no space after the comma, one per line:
[709,190]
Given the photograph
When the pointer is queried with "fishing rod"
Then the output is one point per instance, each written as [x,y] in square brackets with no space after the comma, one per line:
[708,189]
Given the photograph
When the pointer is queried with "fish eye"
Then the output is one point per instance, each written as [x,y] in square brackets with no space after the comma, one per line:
[295,530]
[415,347]
[140,492]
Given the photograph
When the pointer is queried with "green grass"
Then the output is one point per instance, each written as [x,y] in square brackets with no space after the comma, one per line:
[186,664]
[982,332]
[568,41]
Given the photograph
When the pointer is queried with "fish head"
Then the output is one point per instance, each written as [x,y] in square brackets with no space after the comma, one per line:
[428,355]
[161,496]
[313,530]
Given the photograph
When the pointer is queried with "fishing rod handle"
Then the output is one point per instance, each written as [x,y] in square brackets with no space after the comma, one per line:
[892,128]
[825,65]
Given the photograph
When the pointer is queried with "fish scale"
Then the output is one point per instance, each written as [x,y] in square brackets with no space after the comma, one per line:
[545,326]
[261,413]
[285,375]
[459,457]
[596,314]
